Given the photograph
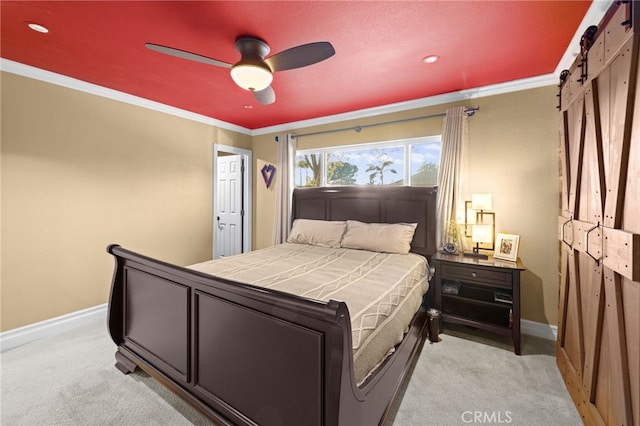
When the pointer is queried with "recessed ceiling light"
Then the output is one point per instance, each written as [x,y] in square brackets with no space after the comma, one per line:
[430,59]
[37,27]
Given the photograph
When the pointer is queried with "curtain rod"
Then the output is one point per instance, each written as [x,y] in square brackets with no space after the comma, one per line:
[469,111]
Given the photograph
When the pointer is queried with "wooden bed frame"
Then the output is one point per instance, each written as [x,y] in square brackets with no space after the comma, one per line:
[252,356]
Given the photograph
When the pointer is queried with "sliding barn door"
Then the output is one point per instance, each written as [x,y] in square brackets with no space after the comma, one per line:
[598,350]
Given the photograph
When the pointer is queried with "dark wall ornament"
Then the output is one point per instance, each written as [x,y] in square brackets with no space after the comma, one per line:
[268,171]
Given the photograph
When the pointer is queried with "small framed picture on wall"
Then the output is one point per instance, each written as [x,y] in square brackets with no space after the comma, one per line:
[507,247]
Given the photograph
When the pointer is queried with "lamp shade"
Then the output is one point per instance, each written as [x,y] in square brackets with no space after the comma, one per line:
[254,77]
[481,201]
[482,233]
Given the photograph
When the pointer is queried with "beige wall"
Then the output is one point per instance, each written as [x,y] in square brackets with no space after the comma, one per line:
[513,154]
[80,172]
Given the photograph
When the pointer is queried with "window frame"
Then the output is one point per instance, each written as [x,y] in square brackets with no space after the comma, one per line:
[405,143]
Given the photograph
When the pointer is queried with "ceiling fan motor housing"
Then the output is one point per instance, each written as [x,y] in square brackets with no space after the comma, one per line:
[251,72]
[251,46]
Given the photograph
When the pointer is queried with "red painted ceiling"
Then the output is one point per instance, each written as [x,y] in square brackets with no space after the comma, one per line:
[379,49]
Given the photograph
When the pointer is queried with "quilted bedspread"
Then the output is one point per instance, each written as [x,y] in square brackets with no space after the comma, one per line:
[382,291]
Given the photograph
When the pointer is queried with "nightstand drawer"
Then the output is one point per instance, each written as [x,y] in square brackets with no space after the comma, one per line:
[474,274]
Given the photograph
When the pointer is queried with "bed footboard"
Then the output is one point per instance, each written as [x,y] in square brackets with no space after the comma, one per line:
[242,354]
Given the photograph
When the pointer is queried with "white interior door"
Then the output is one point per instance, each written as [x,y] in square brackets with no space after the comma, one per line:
[230,209]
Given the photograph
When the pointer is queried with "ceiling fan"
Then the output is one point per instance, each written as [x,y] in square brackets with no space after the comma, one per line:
[253,72]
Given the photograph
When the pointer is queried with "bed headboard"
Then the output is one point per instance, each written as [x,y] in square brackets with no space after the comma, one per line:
[374,204]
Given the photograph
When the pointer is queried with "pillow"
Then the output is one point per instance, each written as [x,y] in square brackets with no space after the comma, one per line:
[321,233]
[382,237]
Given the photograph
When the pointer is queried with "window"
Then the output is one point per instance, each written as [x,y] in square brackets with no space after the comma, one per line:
[411,162]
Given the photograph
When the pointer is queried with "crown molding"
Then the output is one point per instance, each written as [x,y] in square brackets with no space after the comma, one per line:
[594,15]
[18,68]
[462,95]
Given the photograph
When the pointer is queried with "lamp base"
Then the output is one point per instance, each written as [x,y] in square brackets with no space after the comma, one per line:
[475,255]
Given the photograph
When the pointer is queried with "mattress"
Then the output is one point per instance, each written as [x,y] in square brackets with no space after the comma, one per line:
[382,291]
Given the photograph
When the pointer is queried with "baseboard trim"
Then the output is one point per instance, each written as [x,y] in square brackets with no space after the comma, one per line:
[538,329]
[19,336]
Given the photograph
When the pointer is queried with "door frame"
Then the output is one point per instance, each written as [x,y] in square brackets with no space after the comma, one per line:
[247,195]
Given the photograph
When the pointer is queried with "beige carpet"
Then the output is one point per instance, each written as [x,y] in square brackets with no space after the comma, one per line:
[473,377]
[464,379]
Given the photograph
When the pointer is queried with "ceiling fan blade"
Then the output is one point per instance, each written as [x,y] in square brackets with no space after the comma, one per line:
[265,96]
[187,55]
[300,56]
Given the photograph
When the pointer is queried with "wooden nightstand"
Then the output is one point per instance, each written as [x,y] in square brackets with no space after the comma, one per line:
[481,293]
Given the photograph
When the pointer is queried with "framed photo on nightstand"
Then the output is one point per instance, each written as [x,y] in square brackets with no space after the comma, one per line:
[507,247]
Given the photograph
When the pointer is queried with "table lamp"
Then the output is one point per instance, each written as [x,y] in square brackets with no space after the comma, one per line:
[481,232]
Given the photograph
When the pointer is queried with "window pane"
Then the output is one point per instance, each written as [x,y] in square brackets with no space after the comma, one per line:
[385,166]
[342,168]
[379,166]
[425,158]
[308,169]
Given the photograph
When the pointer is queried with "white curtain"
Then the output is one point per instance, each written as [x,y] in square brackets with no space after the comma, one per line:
[453,170]
[284,188]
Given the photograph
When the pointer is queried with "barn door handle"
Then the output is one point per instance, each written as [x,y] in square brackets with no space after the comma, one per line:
[586,243]
[570,244]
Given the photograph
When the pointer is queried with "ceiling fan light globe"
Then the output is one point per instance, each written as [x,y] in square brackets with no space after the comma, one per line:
[251,77]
